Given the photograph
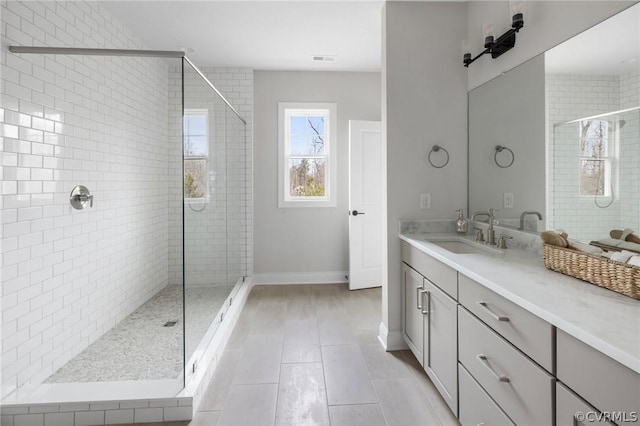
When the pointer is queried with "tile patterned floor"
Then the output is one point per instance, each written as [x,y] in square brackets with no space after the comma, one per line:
[309,355]
[139,347]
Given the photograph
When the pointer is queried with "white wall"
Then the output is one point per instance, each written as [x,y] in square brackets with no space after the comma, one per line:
[510,111]
[69,275]
[218,238]
[304,244]
[425,104]
[546,24]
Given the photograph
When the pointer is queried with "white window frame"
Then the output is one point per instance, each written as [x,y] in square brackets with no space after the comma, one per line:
[608,160]
[285,111]
[204,112]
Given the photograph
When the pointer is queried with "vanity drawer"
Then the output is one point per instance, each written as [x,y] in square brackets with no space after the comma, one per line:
[527,332]
[605,383]
[570,408]
[435,271]
[520,387]
[476,407]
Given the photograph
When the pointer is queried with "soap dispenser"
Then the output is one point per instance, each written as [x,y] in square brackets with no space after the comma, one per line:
[462,224]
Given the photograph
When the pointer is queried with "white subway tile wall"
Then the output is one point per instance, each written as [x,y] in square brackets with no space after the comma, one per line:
[69,275]
[112,412]
[112,124]
[576,96]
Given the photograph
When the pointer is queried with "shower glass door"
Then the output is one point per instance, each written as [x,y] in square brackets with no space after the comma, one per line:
[213,221]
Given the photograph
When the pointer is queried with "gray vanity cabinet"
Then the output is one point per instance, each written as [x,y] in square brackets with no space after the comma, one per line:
[496,363]
[429,309]
[522,389]
[440,331]
[412,316]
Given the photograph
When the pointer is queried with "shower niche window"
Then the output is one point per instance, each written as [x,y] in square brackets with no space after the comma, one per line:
[196,154]
[596,158]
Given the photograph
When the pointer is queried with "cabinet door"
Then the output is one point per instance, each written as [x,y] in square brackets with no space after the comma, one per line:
[441,343]
[571,410]
[412,286]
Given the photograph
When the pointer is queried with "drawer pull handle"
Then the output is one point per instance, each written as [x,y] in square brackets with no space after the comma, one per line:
[428,304]
[483,360]
[493,315]
[418,298]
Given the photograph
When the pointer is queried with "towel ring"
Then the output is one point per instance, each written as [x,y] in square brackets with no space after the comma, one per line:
[500,148]
[437,148]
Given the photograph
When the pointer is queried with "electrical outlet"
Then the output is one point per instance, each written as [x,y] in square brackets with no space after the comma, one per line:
[508,200]
[425,201]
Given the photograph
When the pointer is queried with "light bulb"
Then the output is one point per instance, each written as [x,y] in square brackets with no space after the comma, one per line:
[466,47]
[466,52]
[517,13]
[487,33]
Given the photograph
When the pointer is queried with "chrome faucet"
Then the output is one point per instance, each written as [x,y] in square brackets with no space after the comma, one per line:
[491,234]
[476,214]
[524,214]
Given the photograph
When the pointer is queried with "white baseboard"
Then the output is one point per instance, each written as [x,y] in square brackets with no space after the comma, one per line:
[391,340]
[330,277]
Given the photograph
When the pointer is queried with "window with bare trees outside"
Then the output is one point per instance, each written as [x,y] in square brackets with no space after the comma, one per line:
[307,139]
[196,154]
[595,158]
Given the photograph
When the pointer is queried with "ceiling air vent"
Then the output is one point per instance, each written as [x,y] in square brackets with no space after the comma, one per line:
[324,58]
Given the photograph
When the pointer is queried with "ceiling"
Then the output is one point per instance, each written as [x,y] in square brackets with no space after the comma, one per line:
[611,47]
[286,35]
[264,35]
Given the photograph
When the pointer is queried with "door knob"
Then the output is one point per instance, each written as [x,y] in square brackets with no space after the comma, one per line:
[356,213]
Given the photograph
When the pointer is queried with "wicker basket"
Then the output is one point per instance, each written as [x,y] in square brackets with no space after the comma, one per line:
[619,277]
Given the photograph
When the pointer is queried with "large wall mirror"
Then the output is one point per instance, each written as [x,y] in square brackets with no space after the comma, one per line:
[570,119]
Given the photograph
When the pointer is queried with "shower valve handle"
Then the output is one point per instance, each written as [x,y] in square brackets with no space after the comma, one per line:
[79,197]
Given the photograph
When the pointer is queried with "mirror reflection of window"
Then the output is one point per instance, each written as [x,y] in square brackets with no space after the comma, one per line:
[596,158]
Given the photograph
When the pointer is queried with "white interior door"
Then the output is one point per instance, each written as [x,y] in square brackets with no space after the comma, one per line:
[365,204]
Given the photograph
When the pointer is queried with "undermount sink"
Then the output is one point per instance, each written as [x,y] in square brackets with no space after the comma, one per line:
[465,247]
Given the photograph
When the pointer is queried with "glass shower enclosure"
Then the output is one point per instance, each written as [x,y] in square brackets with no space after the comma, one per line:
[150,263]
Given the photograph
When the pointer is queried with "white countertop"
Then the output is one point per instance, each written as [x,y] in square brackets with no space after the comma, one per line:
[603,319]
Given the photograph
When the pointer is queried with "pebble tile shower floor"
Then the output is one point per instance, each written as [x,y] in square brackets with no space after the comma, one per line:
[140,347]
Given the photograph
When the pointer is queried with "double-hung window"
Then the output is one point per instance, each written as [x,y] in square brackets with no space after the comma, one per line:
[196,154]
[596,158]
[307,146]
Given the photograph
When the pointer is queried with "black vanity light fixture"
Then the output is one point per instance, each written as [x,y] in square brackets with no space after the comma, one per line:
[505,42]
